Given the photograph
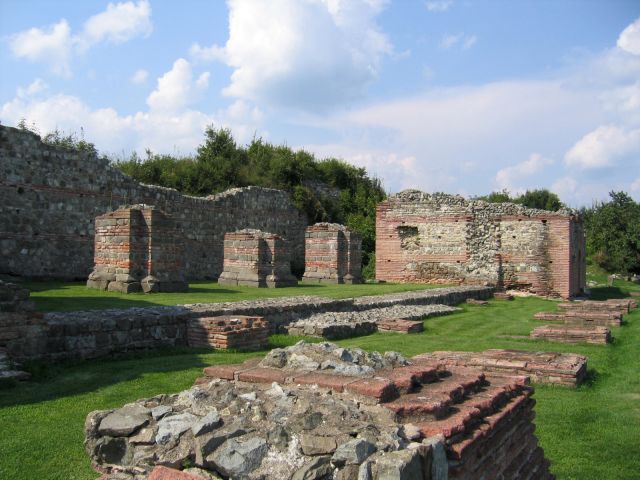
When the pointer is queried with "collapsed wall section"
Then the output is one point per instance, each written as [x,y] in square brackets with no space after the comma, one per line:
[438,238]
[49,198]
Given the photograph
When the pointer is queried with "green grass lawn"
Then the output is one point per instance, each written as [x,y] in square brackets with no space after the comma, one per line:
[592,432]
[68,296]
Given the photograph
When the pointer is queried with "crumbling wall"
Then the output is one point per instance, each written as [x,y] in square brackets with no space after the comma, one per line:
[138,248]
[333,254]
[49,198]
[438,238]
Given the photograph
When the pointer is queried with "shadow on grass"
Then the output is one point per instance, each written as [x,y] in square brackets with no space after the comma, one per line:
[590,378]
[604,293]
[70,378]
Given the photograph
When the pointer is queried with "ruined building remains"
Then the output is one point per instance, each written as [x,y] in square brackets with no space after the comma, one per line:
[138,248]
[49,198]
[333,254]
[438,238]
[256,259]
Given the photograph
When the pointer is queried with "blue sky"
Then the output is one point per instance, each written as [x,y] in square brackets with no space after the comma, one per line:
[440,95]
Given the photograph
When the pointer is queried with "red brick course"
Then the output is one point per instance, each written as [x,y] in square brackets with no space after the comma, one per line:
[333,254]
[399,325]
[572,334]
[229,332]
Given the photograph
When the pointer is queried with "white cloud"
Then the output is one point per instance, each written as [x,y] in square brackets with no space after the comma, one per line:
[465,42]
[513,177]
[439,5]
[635,185]
[629,39]
[35,87]
[119,23]
[51,46]
[311,54]
[139,77]
[176,88]
[604,147]
[178,129]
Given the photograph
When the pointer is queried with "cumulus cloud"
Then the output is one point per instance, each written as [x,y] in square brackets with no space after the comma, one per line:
[465,42]
[139,77]
[52,46]
[310,55]
[56,45]
[513,177]
[629,39]
[604,147]
[169,125]
[439,5]
[119,23]
[176,88]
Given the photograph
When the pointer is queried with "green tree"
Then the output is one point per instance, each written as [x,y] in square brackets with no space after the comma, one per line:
[613,233]
[542,199]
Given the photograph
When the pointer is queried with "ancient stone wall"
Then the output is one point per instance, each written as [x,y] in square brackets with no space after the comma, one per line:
[333,254]
[49,198]
[137,248]
[91,334]
[256,259]
[446,239]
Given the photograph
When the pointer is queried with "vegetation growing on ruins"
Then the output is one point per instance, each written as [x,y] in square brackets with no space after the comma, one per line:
[542,199]
[587,433]
[329,190]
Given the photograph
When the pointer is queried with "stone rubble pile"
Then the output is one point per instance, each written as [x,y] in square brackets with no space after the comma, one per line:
[543,367]
[287,418]
[572,334]
[335,325]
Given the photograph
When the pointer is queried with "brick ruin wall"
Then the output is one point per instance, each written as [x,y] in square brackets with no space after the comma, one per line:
[137,248]
[333,254]
[49,198]
[438,238]
[256,259]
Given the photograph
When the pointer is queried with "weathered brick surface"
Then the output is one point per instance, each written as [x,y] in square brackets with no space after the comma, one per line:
[138,248]
[543,367]
[581,318]
[484,419]
[49,198]
[228,332]
[400,325]
[333,254]
[256,259]
[572,334]
[446,239]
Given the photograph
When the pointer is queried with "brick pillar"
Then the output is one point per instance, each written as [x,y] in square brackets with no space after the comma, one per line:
[137,248]
[333,254]
[253,258]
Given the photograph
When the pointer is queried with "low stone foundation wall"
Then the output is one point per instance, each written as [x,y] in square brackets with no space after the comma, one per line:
[228,332]
[572,334]
[578,318]
[335,325]
[544,367]
[90,334]
[608,306]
